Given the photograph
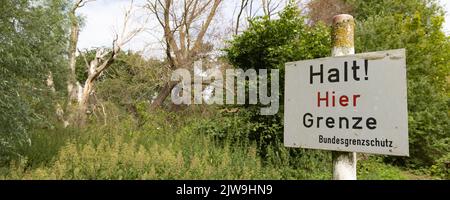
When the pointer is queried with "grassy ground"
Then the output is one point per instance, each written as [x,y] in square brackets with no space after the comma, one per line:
[162,150]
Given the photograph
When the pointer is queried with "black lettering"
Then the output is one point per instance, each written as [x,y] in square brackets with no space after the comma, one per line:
[371,123]
[340,122]
[333,75]
[355,69]
[345,71]
[366,69]
[311,122]
[357,121]
[312,74]
[318,121]
[330,122]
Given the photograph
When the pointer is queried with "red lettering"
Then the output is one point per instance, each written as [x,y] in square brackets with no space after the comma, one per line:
[356,96]
[333,101]
[322,99]
[343,101]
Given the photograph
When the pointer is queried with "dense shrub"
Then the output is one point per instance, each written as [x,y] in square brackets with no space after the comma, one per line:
[441,168]
[381,25]
[269,44]
[32,45]
[125,151]
[416,26]
[374,169]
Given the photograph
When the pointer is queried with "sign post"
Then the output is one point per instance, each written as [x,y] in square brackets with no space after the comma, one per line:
[347,103]
[344,163]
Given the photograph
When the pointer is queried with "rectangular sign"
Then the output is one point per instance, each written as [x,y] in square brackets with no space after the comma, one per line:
[355,103]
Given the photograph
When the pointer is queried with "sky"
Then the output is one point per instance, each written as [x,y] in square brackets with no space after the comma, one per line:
[104,17]
[446,5]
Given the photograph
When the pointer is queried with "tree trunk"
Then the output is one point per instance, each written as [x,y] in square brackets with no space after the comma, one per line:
[162,95]
[83,103]
[58,108]
[71,81]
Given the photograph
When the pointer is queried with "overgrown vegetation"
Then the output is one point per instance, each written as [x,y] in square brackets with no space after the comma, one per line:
[28,57]
[125,139]
[178,150]
[381,25]
[416,26]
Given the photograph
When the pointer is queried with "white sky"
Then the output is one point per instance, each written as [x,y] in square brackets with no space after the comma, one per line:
[102,17]
[446,5]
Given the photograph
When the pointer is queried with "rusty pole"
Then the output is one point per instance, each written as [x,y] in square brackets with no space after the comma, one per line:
[344,163]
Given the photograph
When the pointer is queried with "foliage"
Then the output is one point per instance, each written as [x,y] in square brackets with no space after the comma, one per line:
[238,129]
[416,26]
[165,150]
[125,141]
[268,44]
[124,151]
[374,169]
[32,45]
[381,25]
[130,80]
[441,168]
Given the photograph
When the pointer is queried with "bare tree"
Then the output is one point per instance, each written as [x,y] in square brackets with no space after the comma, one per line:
[244,4]
[249,9]
[102,61]
[73,42]
[270,7]
[265,6]
[185,24]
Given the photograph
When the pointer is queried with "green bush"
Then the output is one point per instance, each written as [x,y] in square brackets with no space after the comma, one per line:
[148,156]
[186,149]
[417,26]
[381,25]
[125,150]
[442,167]
[238,129]
[374,169]
[32,45]
[269,44]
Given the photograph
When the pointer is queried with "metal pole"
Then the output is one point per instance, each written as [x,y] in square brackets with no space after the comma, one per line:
[344,163]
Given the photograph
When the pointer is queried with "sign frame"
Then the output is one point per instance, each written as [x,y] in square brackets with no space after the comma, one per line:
[381,72]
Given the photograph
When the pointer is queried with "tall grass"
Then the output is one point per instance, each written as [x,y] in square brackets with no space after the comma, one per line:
[166,146]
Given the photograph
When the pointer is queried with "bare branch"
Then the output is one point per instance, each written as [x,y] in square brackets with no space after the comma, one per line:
[205,26]
[103,60]
[84,58]
[244,4]
[83,3]
[185,26]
